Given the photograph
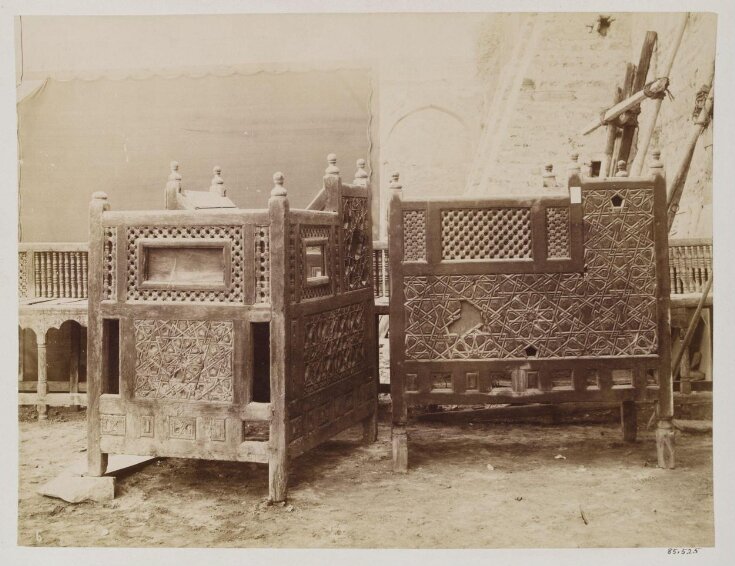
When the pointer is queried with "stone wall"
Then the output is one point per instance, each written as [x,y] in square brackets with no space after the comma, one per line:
[690,71]
[569,80]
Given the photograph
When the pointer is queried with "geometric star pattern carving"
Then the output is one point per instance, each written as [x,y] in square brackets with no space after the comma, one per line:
[185,360]
[608,311]
[355,242]
[334,346]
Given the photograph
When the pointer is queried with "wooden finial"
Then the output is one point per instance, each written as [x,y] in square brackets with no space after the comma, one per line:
[174,177]
[394,182]
[361,175]
[622,169]
[549,179]
[218,183]
[99,195]
[332,168]
[278,188]
[656,167]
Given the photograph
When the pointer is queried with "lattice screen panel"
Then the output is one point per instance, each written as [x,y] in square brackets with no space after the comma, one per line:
[557,232]
[414,235]
[487,233]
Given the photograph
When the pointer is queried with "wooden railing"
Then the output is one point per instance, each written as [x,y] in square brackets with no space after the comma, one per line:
[60,269]
[381,277]
[690,265]
[57,270]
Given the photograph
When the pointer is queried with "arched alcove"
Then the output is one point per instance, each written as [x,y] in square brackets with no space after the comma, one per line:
[430,147]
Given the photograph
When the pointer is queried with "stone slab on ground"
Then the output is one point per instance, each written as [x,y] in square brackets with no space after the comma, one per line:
[74,486]
[76,489]
[116,463]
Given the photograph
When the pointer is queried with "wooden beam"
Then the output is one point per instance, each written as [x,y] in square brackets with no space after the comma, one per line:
[653,88]
[645,139]
[629,130]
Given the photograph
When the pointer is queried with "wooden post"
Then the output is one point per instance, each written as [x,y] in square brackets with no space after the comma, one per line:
[612,133]
[96,459]
[42,386]
[173,187]
[395,254]
[627,118]
[75,335]
[645,138]
[370,424]
[641,72]
[331,184]
[665,428]
[629,420]
[278,209]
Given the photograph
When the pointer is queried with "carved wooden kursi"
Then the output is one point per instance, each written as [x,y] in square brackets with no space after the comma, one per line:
[539,299]
[178,303]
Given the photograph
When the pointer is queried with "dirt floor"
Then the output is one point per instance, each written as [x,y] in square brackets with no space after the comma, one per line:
[469,486]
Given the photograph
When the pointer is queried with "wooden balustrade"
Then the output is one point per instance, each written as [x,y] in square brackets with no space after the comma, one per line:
[57,270]
[60,270]
[381,277]
[690,265]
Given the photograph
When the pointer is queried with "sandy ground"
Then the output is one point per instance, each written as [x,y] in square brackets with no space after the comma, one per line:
[344,494]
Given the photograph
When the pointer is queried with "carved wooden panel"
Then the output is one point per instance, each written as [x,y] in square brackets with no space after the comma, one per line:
[486,233]
[112,424]
[262,265]
[334,346]
[189,360]
[609,311]
[557,232]
[331,410]
[234,293]
[414,235]
[109,260]
[356,243]
[182,428]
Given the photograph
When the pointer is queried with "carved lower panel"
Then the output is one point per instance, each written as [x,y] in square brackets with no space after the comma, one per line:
[609,311]
[356,242]
[182,428]
[233,294]
[147,424]
[188,360]
[331,410]
[334,346]
[414,235]
[113,425]
[109,261]
[214,429]
[262,265]
[486,233]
